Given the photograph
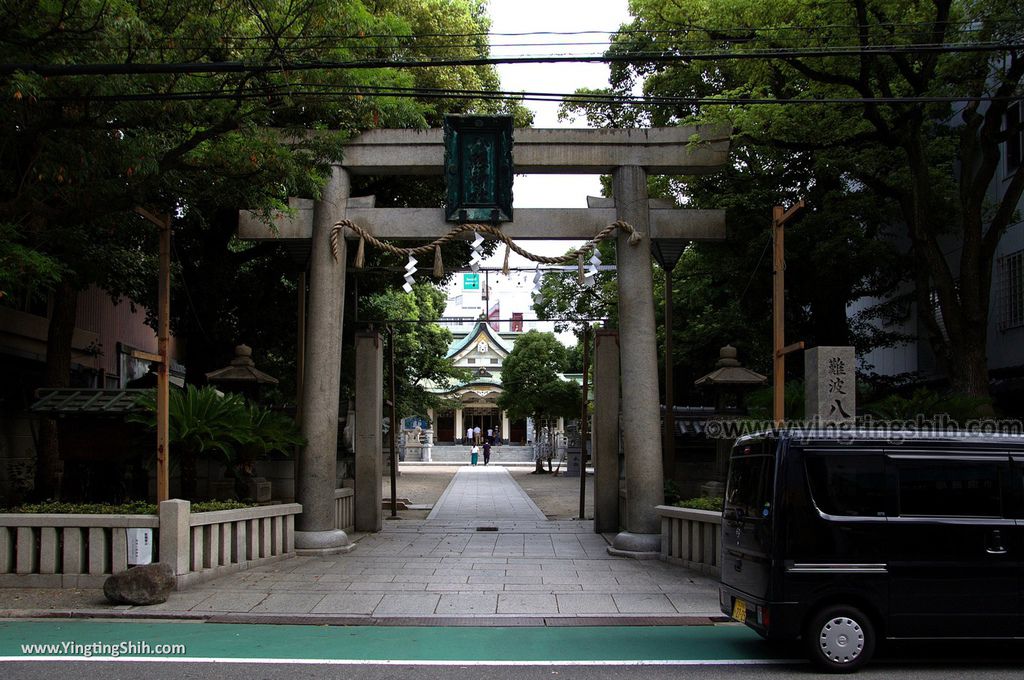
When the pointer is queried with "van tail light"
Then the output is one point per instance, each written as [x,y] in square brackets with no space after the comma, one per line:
[766,619]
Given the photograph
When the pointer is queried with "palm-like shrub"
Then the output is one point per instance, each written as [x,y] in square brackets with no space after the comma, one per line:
[204,423]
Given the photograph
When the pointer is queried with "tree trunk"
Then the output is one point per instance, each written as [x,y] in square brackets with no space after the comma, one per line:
[968,369]
[58,374]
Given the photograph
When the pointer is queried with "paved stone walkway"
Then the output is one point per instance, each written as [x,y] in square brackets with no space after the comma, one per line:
[484,493]
[485,552]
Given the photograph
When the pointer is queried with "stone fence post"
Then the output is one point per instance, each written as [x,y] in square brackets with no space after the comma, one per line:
[175,535]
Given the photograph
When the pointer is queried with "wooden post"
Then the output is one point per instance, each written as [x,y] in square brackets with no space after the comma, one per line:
[779,218]
[163,337]
[668,444]
[163,482]
[392,429]
[300,354]
[583,423]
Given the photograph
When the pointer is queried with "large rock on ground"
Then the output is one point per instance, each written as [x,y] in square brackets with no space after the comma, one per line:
[146,584]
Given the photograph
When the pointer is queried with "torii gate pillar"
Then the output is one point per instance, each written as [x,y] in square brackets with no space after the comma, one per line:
[638,361]
[316,532]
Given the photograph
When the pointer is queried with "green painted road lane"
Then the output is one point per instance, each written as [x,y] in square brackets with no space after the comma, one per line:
[629,644]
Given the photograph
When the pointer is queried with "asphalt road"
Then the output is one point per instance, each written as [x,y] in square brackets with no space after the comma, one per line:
[976,669]
[292,652]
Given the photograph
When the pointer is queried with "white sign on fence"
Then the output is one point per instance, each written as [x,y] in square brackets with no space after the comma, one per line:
[140,546]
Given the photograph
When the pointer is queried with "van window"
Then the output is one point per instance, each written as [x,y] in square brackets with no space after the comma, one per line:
[849,485]
[748,494]
[937,488]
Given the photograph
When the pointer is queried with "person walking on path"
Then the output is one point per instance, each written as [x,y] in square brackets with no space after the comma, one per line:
[474,454]
[490,436]
[476,435]
[487,452]
[469,435]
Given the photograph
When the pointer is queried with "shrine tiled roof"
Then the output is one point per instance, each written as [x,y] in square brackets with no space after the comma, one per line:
[495,339]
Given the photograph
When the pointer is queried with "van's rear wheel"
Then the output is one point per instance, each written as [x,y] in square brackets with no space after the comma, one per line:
[840,639]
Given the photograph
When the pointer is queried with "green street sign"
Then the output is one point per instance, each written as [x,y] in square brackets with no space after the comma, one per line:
[471,282]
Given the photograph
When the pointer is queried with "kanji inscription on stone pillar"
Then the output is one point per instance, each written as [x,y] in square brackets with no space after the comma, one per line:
[830,384]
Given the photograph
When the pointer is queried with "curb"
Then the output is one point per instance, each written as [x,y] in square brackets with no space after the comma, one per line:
[400,621]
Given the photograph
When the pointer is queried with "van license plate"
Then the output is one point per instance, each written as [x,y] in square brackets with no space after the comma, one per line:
[739,610]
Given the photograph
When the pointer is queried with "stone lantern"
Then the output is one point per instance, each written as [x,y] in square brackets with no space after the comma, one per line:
[730,382]
[241,375]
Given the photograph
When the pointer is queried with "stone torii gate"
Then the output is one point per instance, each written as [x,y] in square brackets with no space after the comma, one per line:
[629,156]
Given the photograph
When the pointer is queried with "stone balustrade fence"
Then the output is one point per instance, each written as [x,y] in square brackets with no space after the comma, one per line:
[204,545]
[691,538]
[81,551]
[65,551]
[344,511]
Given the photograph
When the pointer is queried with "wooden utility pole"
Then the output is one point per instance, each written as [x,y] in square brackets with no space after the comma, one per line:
[162,358]
[393,426]
[668,444]
[779,218]
[584,416]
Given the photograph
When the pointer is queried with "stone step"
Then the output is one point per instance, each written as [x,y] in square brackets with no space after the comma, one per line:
[499,454]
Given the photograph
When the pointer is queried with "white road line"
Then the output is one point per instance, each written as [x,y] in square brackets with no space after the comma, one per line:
[415,662]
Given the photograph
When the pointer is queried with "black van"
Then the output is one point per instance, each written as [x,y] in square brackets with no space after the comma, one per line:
[844,539]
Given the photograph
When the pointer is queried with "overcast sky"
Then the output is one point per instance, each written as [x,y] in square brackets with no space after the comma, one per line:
[523,16]
[545,191]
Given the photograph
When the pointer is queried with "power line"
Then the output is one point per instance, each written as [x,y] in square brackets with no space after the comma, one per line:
[973,25]
[300,91]
[108,69]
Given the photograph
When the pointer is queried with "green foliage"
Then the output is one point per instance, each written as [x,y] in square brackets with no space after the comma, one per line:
[223,427]
[82,151]
[563,299]
[861,166]
[759,402]
[703,503]
[530,379]
[420,347]
[134,508]
[22,267]
[672,492]
[927,403]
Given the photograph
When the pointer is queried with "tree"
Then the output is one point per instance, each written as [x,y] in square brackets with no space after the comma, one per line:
[532,387]
[420,345]
[721,290]
[890,129]
[79,151]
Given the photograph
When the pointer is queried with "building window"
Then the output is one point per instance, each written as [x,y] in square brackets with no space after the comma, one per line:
[471,360]
[494,361]
[1011,290]
[1015,144]
[517,322]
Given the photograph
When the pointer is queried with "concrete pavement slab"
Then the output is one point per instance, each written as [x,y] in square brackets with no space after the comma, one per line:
[288,603]
[643,603]
[467,603]
[231,602]
[348,603]
[527,603]
[407,604]
[586,603]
